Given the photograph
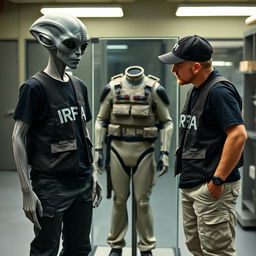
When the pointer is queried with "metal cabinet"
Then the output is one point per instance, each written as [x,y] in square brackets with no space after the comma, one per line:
[247,216]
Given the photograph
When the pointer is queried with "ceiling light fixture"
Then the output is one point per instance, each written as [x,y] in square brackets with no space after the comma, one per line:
[215,10]
[221,63]
[86,12]
[117,47]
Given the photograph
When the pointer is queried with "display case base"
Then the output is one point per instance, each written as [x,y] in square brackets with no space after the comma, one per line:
[127,251]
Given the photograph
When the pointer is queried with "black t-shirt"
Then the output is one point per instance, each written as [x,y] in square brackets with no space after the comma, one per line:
[33,108]
[223,107]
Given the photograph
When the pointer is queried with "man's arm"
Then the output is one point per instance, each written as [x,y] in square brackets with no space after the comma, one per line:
[232,151]
[30,201]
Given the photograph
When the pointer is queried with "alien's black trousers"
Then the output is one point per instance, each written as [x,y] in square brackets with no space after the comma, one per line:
[67,209]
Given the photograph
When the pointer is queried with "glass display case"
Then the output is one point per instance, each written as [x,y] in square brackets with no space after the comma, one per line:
[111,57]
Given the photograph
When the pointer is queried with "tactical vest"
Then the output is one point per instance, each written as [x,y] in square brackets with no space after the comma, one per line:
[132,113]
[201,143]
[52,145]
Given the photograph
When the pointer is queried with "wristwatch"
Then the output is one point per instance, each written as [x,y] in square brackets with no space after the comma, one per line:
[217,181]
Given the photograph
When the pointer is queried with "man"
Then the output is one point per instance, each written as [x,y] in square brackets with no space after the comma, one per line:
[211,144]
[133,110]
[51,143]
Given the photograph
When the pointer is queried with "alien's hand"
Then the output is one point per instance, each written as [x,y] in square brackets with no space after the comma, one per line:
[31,204]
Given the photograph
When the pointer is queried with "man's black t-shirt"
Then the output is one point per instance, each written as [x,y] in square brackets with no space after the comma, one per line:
[223,107]
[33,108]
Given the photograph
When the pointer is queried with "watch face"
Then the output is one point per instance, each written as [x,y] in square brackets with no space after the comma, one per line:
[217,181]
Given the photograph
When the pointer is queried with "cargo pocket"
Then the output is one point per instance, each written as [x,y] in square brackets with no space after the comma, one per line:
[121,109]
[236,189]
[150,132]
[63,155]
[141,111]
[192,159]
[194,153]
[63,146]
[114,130]
[214,230]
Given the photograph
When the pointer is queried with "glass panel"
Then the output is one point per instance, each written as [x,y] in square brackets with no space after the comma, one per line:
[112,57]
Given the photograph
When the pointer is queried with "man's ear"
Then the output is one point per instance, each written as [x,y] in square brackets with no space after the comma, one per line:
[196,67]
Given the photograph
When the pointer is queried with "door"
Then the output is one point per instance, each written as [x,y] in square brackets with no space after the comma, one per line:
[9,95]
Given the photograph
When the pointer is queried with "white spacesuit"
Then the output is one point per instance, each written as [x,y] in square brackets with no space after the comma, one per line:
[133,111]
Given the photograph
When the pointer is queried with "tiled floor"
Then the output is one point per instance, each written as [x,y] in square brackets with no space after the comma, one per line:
[16,231]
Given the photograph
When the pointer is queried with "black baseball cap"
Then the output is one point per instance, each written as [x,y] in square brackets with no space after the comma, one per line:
[191,48]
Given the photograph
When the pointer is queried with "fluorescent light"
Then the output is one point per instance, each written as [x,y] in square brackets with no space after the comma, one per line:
[227,43]
[251,20]
[216,10]
[86,11]
[117,47]
[222,63]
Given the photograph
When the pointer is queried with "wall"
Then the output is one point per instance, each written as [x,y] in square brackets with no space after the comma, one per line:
[143,18]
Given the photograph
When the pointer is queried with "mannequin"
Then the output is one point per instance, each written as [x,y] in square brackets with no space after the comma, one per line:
[134,109]
[51,143]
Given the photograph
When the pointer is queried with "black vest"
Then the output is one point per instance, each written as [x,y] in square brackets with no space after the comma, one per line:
[52,145]
[201,143]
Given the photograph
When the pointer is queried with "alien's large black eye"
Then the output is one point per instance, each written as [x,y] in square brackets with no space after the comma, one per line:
[84,46]
[71,44]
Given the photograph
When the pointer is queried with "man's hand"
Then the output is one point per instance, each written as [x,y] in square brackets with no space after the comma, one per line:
[31,204]
[163,163]
[96,190]
[215,191]
[98,161]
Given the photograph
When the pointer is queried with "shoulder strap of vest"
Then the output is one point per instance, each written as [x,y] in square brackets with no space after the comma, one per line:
[211,83]
[77,87]
[216,80]
[80,99]
[150,82]
[203,96]
[188,98]
[53,94]
[116,82]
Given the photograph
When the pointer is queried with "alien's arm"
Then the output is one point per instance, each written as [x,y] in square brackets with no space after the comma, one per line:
[30,201]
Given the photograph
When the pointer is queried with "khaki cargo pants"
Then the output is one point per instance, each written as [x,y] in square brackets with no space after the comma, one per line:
[209,223]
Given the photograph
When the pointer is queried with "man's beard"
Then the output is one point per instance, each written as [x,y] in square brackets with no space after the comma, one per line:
[182,82]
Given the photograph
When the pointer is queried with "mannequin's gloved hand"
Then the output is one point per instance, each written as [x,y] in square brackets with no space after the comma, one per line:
[96,189]
[163,163]
[98,161]
[31,204]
